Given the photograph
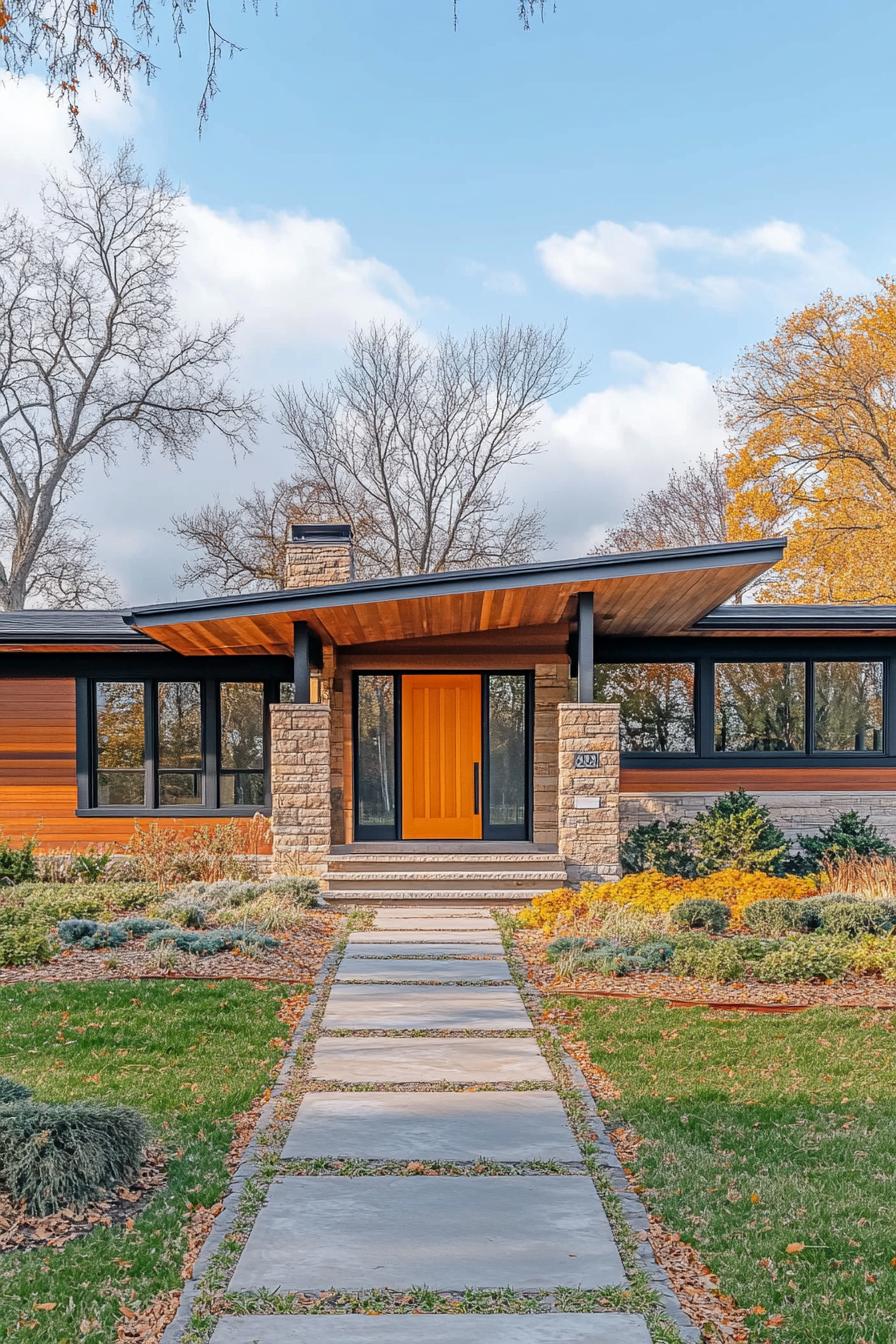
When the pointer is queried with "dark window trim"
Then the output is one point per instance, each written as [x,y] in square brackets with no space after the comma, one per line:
[85,743]
[489,832]
[772,651]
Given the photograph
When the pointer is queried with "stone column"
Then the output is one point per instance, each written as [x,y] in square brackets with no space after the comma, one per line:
[300,787]
[589,791]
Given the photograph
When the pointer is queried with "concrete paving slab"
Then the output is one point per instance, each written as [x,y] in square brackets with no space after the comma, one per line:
[357,968]
[610,1327]
[425,1008]
[415,949]
[445,1232]
[433,1126]
[426,936]
[422,1059]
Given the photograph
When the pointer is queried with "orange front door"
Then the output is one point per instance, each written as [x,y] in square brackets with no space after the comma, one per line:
[441,757]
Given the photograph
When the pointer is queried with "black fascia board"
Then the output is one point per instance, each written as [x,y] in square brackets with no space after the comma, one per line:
[683,559]
[808,617]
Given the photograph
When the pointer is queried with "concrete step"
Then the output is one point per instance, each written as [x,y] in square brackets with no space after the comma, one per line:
[460,896]
[427,862]
[499,877]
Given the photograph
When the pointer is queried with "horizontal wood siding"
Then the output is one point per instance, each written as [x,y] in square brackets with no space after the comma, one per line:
[38,777]
[757,778]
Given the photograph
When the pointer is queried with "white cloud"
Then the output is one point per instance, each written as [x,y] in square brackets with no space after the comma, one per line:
[495,280]
[613,260]
[611,445]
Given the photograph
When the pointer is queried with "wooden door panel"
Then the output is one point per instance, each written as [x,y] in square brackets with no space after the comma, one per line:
[441,751]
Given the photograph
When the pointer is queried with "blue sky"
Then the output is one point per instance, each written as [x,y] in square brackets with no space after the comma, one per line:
[671,180]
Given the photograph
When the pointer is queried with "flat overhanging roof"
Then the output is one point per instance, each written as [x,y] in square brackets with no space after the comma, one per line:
[642,593]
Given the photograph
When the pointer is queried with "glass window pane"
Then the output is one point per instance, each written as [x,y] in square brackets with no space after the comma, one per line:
[849,706]
[119,744]
[656,703]
[179,743]
[242,788]
[507,766]
[242,725]
[376,751]
[760,707]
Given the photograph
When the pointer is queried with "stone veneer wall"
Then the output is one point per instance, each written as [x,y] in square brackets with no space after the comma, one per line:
[300,785]
[551,689]
[794,810]
[589,835]
[311,564]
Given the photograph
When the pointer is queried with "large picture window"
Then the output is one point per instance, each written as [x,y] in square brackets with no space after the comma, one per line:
[656,704]
[190,745]
[760,707]
[849,706]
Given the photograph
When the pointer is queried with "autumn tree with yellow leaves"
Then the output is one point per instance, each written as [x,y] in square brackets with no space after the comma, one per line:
[811,416]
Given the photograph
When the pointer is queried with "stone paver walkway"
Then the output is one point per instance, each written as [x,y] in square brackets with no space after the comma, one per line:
[472,1100]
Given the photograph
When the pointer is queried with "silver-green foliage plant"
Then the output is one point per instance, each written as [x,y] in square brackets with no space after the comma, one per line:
[66,1155]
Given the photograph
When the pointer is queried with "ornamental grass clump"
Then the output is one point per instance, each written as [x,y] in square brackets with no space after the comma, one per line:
[701,913]
[67,1155]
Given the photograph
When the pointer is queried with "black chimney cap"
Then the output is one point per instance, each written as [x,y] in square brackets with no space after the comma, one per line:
[320,534]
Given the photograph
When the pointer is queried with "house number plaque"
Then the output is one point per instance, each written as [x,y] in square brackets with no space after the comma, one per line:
[587,760]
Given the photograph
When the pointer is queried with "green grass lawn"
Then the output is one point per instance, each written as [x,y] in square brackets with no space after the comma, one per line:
[189,1055]
[764,1132]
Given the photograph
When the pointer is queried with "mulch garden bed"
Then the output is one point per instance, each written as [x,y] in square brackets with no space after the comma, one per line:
[854,991]
[297,959]
[20,1231]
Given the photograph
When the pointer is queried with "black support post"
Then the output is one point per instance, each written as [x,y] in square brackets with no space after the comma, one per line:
[301,662]
[586,648]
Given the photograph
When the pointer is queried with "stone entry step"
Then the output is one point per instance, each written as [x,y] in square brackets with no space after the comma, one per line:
[424,1008]
[420,1059]
[385,937]
[395,875]
[363,951]
[609,1327]
[442,1232]
[433,1126]
[397,896]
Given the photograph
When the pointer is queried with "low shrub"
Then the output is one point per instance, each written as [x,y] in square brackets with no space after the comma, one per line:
[737,832]
[211,942]
[206,854]
[187,911]
[90,935]
[849,835]
[24,943]
[11,1090]
[805,959]
[623,923]
[700,913]
[89,866]
[664,847]
[780,915]
[874,956]
[650,892]
[701,958]
[302,891]
[17,864]
[654,956]
[54,1156]
[138,926]
[552,909]
[850,917]
[70,900]
[562,947]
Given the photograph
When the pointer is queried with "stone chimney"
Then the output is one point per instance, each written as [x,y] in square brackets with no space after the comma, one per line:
[318,554]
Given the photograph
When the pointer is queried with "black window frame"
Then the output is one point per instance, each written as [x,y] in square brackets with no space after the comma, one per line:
[830,649]
[489,832]
[210,805]
[695,705]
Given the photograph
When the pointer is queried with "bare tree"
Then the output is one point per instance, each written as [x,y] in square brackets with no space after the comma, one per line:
[112,41]
[412,441]
[690,509]
[91,361]
[241,548]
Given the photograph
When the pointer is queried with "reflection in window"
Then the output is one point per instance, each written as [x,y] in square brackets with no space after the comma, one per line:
[507,766]
[179,751]
[241,760]
[760,707]
[376,752]
[120,779]
[656,703]
[849,706]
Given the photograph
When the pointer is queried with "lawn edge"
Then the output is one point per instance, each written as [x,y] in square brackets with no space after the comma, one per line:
[249,1161]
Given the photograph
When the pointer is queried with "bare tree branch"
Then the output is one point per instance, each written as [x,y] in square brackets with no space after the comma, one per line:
[91,360]
[688,510]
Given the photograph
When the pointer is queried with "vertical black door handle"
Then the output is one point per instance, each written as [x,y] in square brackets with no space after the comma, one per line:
[475,788]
